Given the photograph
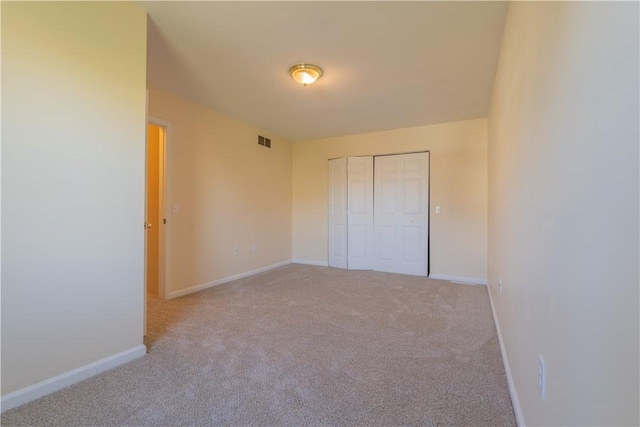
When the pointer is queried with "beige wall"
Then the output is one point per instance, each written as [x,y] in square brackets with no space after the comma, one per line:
[563,197]
[73,130]
[230,190]
[458,181]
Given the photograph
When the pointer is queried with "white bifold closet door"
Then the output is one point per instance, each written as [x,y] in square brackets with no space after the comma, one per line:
[387,232]
[360,214]
[338,213]
[401,213]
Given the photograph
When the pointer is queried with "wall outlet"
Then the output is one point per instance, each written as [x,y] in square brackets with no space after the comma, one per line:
[542,377]
[254,247]
[500,285]
[236,250]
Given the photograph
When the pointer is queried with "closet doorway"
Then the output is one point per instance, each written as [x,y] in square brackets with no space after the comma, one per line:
[379,213]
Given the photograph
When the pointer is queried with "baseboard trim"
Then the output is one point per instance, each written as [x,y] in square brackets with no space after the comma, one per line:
[36,391]
[458,279]
[507,368]
[228,279]
[307,262]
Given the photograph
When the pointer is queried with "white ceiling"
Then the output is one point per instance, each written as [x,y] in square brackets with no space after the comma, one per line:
[387,65]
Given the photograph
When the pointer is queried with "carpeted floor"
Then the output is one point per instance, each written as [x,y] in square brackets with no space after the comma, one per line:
[302,345]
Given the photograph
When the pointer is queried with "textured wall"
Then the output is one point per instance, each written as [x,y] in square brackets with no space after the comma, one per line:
[73,162]
[230,191]
[563,208]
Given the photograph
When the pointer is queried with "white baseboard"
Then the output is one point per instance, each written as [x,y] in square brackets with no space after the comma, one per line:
[463,280]
[307,262]
[36,391]
[507,368]
[197,288]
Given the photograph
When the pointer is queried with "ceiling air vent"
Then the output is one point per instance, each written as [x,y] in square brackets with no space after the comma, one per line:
[264,141]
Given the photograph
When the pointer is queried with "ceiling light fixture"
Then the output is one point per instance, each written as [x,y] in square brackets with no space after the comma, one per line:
[305,74]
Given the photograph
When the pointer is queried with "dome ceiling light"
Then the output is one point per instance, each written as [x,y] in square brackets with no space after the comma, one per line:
[305,74]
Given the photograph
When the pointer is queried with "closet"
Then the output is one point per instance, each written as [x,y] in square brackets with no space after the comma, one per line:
[379,213]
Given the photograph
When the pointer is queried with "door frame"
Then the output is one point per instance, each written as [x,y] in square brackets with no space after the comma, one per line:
[164,241]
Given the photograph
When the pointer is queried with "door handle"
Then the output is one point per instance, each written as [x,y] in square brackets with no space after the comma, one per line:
[147,225]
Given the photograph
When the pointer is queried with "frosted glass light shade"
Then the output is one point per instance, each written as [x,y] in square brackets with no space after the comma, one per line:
[305,74]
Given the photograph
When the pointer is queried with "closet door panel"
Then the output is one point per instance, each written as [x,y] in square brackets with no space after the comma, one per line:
[360,213]
[401,186]
[338,213]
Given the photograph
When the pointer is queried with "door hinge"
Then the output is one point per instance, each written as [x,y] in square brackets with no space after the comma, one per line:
[164,220]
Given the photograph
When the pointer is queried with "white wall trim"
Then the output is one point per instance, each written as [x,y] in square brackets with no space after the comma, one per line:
[463,280]
[36,391]
[507,368]
[203,286]
[307,262]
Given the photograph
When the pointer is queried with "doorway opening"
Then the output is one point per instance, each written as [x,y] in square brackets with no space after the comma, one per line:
[156,222]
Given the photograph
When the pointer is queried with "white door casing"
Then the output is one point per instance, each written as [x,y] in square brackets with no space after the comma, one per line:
[338,213]
[360,213]
[401,187]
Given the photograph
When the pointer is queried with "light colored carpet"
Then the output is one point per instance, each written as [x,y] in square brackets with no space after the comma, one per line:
[302,345]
